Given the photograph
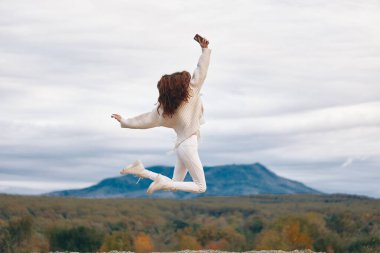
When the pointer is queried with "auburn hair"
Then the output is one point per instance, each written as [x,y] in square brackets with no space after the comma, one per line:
[173,90]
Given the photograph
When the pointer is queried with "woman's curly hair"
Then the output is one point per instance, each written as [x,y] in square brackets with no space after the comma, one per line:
[173,90]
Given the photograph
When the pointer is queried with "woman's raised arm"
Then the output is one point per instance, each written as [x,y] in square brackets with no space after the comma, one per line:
[200,73]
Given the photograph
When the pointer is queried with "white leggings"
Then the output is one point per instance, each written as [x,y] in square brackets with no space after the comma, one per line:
[187,160]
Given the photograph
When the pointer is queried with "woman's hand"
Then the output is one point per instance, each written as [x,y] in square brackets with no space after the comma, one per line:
[116,116]
[203,42]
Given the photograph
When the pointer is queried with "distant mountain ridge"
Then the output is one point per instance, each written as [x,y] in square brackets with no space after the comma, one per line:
[224,180]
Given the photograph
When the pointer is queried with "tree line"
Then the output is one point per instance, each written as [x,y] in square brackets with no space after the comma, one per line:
[329,223]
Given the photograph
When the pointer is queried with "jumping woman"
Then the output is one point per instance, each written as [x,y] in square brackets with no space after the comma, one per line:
[179,106]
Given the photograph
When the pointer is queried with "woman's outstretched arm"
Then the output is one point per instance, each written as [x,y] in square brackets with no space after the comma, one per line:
[142,121]
[200,73]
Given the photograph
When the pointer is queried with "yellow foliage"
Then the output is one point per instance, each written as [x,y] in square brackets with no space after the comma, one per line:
[143,243]
[235,240]
[38,243]
[188,242]
[286,235]
[118,240]
[269,239]
[294,237]
[217,245]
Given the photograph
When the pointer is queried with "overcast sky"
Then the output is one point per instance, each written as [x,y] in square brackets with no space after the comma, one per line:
[294,85]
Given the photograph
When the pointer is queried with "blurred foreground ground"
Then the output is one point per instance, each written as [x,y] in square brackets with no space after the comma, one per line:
[215,251]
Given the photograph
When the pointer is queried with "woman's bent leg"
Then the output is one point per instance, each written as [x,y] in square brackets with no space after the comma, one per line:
[149,174]
[180,170]
[188,155]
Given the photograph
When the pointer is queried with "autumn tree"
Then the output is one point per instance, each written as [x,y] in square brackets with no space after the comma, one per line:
[286,233]
[143,243]
[16,235]
[188,242]
[118,240]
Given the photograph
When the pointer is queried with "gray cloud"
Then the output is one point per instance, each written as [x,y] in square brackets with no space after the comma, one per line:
[291,84]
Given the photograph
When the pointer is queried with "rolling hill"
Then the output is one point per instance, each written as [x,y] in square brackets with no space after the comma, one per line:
[225,180]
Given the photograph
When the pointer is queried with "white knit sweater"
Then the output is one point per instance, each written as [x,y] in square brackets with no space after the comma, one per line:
[188,117]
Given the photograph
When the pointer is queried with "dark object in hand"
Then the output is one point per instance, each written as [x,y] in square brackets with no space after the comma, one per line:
[198,38]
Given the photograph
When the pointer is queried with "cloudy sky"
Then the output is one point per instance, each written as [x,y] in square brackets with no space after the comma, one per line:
[294,85]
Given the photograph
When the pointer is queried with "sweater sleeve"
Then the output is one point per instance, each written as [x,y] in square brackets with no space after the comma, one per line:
[200,73]
[142,121]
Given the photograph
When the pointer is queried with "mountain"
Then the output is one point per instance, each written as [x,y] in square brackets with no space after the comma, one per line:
[226,180]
